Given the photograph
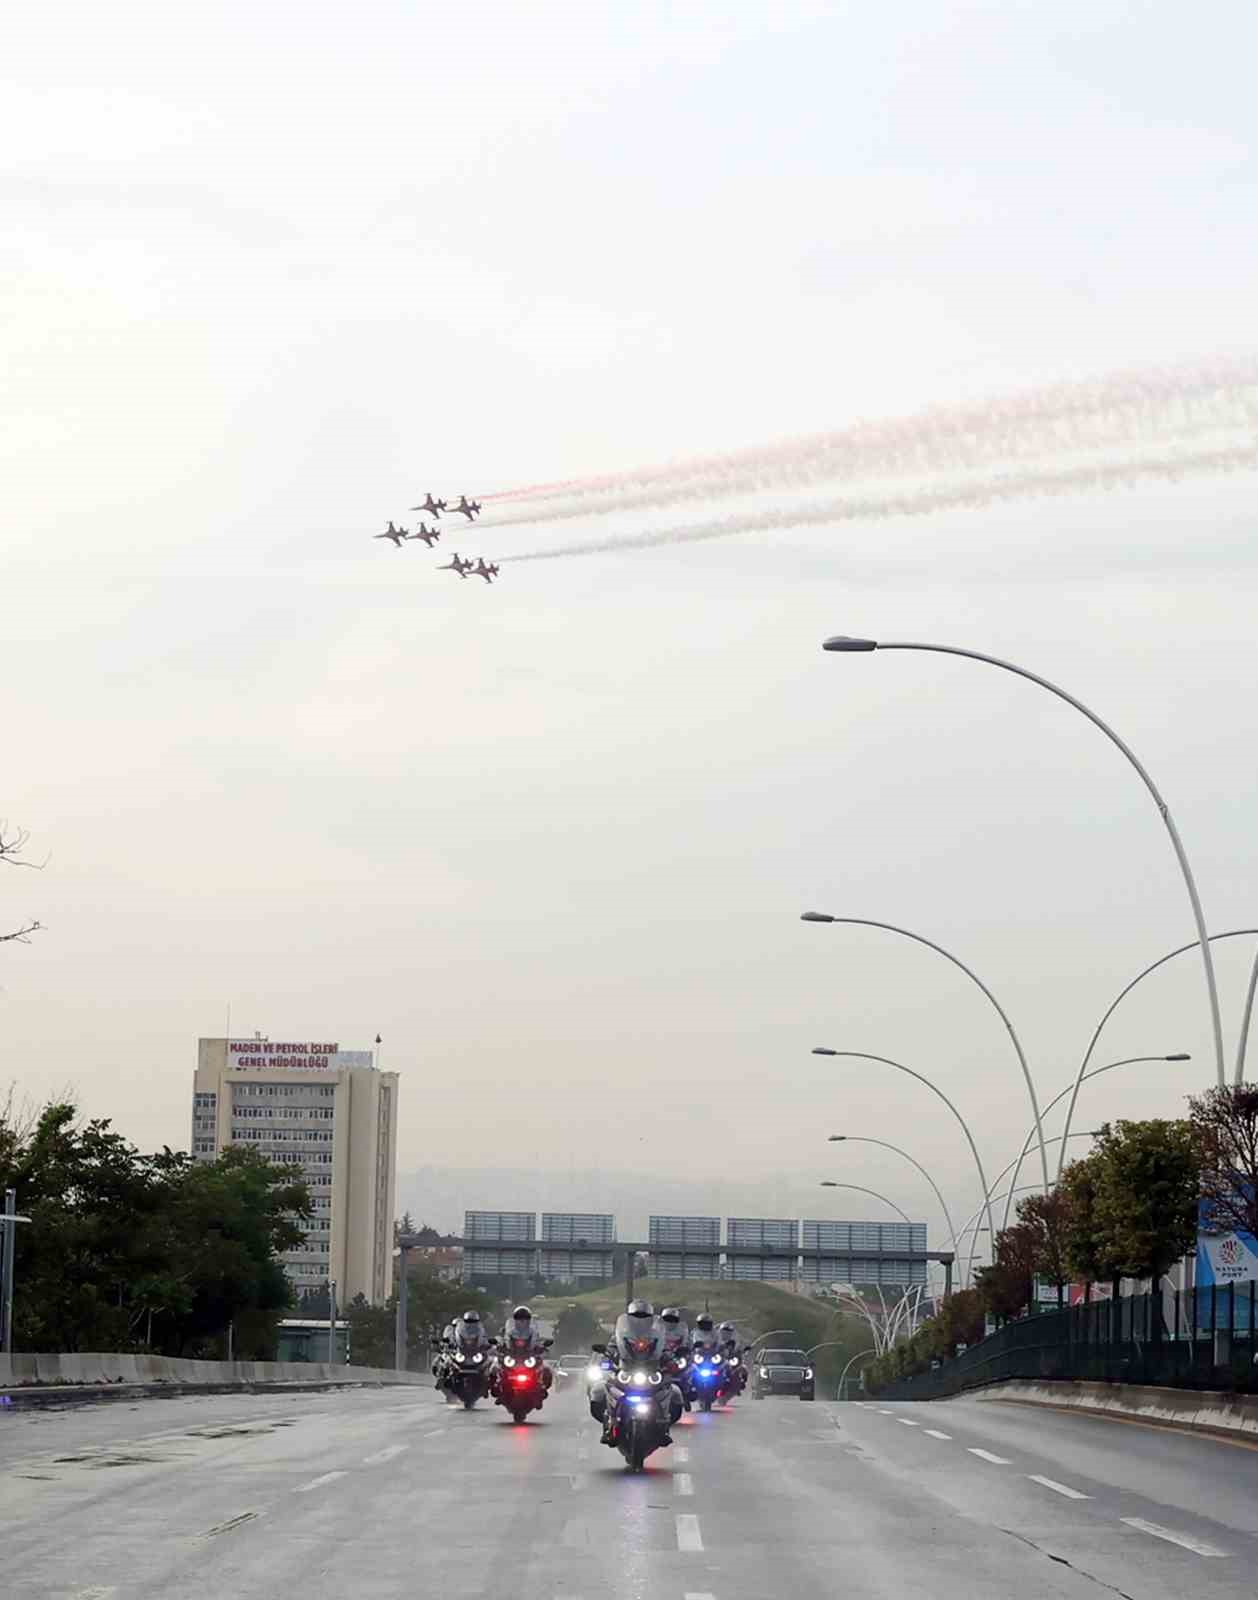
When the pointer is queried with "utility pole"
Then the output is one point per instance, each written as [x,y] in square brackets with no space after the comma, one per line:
[400,1331]
[332,1322]
[631,1261]
[9,1220]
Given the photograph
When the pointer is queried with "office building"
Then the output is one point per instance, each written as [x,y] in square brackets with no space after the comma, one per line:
[332,1113]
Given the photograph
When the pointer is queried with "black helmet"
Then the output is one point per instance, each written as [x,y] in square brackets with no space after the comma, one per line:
[670,1314]
[704,1322]
[472,1318]
[522,1314]
[639,1308]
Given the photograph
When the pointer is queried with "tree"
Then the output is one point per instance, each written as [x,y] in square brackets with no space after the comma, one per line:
[576,1329]
[1006,1288]
[1082,1245]
[372,1332]
[960,1320]
[1225,1128]
[13,843]
[1044,1215]
[1148,1180]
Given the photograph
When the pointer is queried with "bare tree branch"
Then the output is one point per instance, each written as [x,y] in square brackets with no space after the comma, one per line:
[22,935]
[13,842]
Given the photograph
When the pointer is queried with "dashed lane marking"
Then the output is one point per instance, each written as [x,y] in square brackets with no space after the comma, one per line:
[935,1433]
[689,1539]
[318,1483]
[387,1454]
[986,1455]
[883,1413]
[1059,1488]
[680,1453]
[689,1596]
[683,1483]
[905,1423]
[1197,1546]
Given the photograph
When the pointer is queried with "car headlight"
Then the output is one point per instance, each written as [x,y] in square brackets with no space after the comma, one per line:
[530,1361]
[807,1372]
[764,1372]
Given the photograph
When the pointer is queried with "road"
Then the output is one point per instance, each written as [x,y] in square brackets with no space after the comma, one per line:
[387,1493]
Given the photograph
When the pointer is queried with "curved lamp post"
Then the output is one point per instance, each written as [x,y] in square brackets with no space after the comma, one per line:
[1232,933]
[843,644]
[1026,1188]
[828,1183]
[1243,1041]
[862,1055]
[861,1138]
[890,927]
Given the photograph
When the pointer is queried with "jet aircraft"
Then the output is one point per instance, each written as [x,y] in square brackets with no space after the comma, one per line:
[489,573]
[469,508]
[428,535]
[459,565]
[433,507]
[398,535]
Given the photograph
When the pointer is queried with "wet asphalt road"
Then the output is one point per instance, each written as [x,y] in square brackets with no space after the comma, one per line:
[387,1493]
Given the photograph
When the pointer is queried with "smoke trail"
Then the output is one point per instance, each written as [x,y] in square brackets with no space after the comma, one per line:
[1026,484]
[1103,413]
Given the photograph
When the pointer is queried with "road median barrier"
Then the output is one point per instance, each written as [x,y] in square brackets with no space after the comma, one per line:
[1201,1410]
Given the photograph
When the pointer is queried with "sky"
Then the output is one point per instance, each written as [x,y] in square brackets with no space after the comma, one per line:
[269,274]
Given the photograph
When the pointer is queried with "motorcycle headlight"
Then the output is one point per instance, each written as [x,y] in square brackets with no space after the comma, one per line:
[508,1361]
[657,1378]
[734,1361]
[478,1356]
[593,1373]
[716,1361]
[639,1378]
[530,1361]
[681,1361]
[623,1375]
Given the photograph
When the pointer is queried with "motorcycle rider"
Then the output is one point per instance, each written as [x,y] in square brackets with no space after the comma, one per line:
[638,1340]
[464,1336]
[521,1338]
[677,1350]
[727,1336]
[705,1340]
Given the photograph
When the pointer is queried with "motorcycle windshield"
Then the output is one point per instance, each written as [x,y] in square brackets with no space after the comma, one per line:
[639,1340]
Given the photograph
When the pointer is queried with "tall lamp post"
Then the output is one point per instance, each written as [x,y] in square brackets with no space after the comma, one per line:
[845,645]
[861,1138]
[862,1055]
[828,1183]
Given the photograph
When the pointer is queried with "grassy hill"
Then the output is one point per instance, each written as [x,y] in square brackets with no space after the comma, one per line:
[755,1307]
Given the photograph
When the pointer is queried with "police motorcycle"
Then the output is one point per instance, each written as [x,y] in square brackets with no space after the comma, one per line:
[707,1364]
[519,1379]
[732,1359]
[676,1362]
[636,1403]
[462,1368]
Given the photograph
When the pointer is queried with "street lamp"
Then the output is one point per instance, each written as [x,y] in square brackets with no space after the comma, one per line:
[827,1183]
[861,1138]
[862,1055]
[890,927]
[843,644]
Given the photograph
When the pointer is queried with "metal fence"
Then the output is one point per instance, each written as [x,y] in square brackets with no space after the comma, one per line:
[1192,1339]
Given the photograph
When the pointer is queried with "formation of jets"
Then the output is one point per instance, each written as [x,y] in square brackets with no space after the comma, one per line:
[465,567]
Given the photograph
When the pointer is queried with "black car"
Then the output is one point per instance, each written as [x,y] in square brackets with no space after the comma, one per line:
[783,1372]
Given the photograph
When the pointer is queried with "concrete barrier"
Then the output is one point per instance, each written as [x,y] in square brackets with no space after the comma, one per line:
[94,1368]
[1204,1410]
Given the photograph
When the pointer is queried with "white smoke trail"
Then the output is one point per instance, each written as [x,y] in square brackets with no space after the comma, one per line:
[1028,483]
[1101,414]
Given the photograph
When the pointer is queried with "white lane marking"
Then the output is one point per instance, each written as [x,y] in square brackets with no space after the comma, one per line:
[883,1413]
[1197,1546]
[905,1423]
[387,1454]
[1058,1488]
[935,1433]
[689,1539]
[689,1596]
[683,1483]
[432,1433]
[680,1453]
[99,1591]
[986,1455]
[317,1483]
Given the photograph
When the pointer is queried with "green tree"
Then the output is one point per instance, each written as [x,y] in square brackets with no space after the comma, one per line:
[1083,1245]
[576,1329]
[372,1332]
[1225,1129]
[1149,1176]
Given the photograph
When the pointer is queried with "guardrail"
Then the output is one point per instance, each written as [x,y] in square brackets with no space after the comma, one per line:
[1192,1339]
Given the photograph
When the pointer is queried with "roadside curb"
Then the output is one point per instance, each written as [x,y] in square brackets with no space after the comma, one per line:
[1206,1411]
[35,1397]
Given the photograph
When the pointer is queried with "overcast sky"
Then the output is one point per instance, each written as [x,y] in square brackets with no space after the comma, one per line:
[271,273]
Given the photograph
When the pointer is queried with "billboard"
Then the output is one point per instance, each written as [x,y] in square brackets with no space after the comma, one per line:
[285,1055]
